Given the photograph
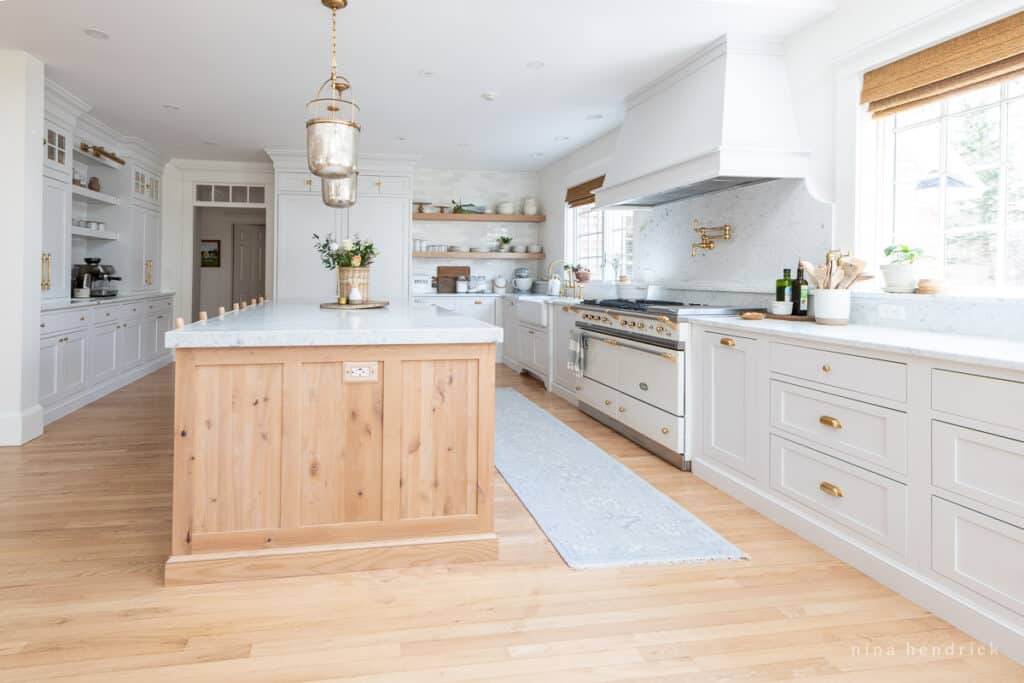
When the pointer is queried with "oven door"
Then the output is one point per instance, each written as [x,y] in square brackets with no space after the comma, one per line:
[646,372]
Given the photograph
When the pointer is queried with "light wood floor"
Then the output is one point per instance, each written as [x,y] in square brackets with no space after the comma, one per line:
[84,532]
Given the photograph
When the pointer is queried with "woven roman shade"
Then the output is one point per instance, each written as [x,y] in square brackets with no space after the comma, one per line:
[987,55]
[583,194]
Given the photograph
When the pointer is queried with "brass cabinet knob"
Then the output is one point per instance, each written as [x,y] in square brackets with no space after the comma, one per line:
[829,421]
[831,489]
[607,402]
[622,409]
[309,182]
[478,302]
[664,430]
[725,341]
[826,368]
[579,388]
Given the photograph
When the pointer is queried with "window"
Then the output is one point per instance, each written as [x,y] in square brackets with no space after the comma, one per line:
[952,183]
[603,241]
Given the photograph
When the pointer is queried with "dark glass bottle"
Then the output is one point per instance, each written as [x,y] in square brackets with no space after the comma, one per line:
[800,293]
[784,286]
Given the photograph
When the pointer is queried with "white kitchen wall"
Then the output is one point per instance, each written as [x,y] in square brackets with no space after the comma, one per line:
[488,188]
[774,225]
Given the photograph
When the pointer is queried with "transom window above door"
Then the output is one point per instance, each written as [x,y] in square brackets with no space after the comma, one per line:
[251,196]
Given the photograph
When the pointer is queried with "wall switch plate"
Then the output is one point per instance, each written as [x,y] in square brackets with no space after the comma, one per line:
[891,312]
[360,372]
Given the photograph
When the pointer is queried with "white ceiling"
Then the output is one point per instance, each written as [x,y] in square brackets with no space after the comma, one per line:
[242,71]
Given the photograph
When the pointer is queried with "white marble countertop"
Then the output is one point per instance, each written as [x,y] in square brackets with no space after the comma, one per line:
[58,304]
[960,348]
[306,324]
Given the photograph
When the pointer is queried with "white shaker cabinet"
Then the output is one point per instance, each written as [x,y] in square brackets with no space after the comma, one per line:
[145,271]
[55,279]
[384,220]
[509,348]
[102,352]
[47,369]
[300,274]
[563,321]
[71,362]
[129,343]
[730,391]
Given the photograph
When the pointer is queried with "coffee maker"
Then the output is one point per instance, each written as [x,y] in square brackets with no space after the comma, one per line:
[101,281]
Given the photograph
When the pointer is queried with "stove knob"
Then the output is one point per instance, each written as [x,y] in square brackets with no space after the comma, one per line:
[606,319]
[632,323]
[623,323]
[640,325]
[660,329]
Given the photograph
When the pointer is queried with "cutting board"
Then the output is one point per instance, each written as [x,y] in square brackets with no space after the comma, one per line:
[446,276]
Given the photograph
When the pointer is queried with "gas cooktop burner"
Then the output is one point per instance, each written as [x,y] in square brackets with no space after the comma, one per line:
[638,304]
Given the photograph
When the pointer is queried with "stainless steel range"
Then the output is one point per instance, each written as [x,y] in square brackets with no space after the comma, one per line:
[633,372]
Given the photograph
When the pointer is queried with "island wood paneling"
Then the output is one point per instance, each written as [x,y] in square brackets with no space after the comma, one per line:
[340,447]
[277,453]
[439,438]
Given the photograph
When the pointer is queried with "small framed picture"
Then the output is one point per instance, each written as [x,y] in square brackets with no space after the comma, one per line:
[209,253]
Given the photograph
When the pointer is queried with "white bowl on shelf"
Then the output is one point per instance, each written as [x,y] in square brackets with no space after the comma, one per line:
[534,249]
[518,249]
[506,208]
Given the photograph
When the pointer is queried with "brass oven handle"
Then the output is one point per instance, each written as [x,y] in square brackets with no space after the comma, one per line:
[725,341]
[668,321]
[831,489]
[830,421]
[615,342]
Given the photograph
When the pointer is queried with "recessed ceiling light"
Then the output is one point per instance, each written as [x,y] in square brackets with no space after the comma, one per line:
[595,117]
[97,34]
[171,107]
[489,95]
[426,73]
[211,143]
[464,145]
[400,138]
[538,155]
[562,138]
[535,65]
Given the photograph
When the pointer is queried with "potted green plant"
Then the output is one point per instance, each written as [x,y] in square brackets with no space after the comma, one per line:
[352,259]
[504,243]
[901,273]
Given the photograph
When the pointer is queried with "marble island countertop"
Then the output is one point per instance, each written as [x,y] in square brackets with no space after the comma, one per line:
[960,348]
[306,324]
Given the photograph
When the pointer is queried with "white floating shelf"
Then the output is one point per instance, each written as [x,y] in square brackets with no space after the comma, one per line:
[91,159]
[93,234]
[94,197]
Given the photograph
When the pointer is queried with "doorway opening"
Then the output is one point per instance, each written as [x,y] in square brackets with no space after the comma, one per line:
[229,261]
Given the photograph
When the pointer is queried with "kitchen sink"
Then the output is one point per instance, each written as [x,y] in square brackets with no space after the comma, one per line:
[533,310]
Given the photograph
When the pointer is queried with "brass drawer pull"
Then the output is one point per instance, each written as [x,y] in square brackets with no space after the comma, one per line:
[664,430]
[831,489]
[725,341]
[622,409]
[829,421]
[607,402]
[826,368]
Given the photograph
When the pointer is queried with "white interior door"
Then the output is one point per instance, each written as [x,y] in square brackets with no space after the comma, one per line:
[247,266]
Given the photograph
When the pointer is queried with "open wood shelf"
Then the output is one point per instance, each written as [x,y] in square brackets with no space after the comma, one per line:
[94,197]
[479,217]
[477,255]
[92,159]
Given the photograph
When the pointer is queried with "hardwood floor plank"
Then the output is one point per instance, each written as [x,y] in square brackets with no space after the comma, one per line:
[85,530]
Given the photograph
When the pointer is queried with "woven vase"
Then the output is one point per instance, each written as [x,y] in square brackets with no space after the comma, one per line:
[348,278]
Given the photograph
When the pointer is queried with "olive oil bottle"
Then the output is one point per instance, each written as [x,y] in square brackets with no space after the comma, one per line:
[784,286]
[800,293]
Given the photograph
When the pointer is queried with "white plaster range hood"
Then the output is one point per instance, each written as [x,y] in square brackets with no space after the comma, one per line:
[722,119]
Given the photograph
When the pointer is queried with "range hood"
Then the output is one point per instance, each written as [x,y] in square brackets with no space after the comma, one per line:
[722,119]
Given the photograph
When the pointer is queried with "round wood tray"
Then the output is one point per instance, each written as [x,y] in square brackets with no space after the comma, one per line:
[355,307]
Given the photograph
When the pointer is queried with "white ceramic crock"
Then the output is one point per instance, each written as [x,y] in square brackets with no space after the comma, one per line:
[831,306]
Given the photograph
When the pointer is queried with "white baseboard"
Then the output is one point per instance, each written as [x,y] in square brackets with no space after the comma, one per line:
[20,428]
[956,608]
[55,411]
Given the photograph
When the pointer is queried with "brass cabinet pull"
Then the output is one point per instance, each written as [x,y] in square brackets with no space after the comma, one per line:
[478,302]
[826,368]
[607,402]
[579,388]
[664,430]
[309,182]
[831,489]
[829,421]
[622,409]
[725,341]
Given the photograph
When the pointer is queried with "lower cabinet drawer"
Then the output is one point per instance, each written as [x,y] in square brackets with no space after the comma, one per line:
[868,504]
[659,426]
[986,399]
[871,376]
[979,553]
[862,433]
[57,322]
[981,466]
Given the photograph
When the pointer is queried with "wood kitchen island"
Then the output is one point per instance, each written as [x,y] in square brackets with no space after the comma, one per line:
[313,441]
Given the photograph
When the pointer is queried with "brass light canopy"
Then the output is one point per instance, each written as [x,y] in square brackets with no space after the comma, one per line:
[332,128]
[340,193]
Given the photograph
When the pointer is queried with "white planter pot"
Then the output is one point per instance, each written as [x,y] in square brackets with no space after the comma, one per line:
[900,278]
[831,306]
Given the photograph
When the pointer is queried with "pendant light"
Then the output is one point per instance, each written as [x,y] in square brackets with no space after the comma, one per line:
[339,193]
[332,131]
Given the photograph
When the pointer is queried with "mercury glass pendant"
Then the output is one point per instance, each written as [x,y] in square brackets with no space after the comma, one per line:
[332,128]
[340,193]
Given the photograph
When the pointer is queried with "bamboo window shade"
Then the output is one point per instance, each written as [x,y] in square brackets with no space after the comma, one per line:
[583,194]
[982,57]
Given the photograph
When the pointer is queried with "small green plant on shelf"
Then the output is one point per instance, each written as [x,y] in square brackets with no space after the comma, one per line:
[901,253]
